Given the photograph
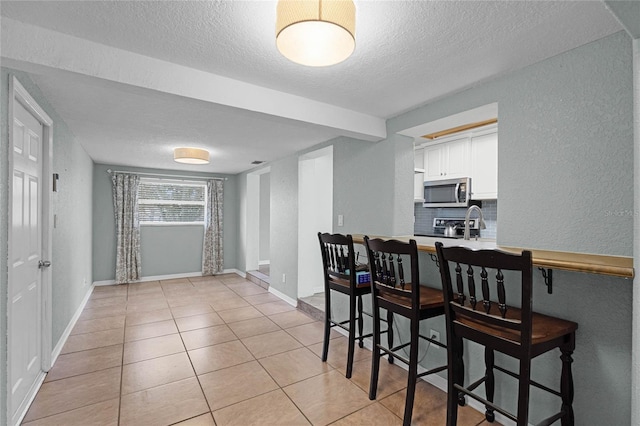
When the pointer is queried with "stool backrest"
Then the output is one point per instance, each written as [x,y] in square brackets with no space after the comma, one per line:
[338,260]
[394,269]
[484,297]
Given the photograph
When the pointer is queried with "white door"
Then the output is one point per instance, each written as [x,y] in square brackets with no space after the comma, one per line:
[25,276]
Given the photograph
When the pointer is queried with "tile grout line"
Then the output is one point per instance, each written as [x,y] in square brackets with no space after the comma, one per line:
[254,358]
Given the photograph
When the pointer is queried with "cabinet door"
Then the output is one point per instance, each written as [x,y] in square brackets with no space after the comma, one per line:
[484,167]
[418,159]
[433,162]
[457,159]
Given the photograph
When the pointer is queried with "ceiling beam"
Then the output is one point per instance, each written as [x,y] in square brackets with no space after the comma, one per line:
[31,45]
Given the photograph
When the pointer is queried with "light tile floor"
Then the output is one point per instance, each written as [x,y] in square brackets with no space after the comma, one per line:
[216,351]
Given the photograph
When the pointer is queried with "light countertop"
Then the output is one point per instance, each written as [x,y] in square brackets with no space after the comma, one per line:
[619,266]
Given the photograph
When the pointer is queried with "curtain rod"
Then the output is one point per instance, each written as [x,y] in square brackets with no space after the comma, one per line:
[165,176]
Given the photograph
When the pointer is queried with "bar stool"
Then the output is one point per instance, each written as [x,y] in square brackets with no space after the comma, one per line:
[515,331]
[341,274]
[400,294]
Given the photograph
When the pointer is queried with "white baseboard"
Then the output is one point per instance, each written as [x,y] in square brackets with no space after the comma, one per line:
[171,277]
[264,262]
[67,331]
[235,271]
[283,296]
[24,407]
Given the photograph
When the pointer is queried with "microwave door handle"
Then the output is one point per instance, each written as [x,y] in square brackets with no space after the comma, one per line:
[458,192]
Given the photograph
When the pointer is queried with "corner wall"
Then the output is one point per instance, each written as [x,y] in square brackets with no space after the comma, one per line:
[71,261]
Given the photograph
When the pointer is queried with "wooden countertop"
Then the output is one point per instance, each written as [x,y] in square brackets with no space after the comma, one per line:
[618,266]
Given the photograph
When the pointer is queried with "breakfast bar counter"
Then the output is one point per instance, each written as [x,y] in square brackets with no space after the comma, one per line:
[618,266]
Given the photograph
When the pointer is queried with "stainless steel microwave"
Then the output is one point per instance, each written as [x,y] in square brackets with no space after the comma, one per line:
[447,193]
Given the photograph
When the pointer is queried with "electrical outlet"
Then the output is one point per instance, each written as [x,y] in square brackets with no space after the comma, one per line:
[434,335]
[284,278]
[340,220]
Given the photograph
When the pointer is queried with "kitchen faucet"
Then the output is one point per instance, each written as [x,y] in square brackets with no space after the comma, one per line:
[466,220]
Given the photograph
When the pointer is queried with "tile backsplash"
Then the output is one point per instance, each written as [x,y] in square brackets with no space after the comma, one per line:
[424,217]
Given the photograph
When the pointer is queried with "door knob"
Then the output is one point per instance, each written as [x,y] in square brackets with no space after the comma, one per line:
[44,264]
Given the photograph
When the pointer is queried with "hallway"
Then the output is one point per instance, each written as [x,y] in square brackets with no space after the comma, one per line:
[189,351]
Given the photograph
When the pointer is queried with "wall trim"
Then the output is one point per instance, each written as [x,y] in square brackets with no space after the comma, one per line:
[264,262]
[281,295]
[67,331]
[172,277]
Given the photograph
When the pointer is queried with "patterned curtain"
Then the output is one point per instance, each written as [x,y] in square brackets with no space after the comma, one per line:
[125,204]
[212,254]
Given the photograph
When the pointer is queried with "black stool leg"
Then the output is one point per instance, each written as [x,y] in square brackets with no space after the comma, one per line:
[489,383]
[352,334]
[390,333]
[360,322]
[413,373]
[375,353]
[327,324]
[524,387]
[455,374]
[566,386]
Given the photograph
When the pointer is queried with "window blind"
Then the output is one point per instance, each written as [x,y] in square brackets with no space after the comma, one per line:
[168,202]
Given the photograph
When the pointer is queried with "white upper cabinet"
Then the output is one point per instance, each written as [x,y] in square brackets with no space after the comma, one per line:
[484,167]
[473,154]
[446,160]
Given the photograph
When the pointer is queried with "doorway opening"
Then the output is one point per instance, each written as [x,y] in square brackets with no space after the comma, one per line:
[315,213]
[259,227]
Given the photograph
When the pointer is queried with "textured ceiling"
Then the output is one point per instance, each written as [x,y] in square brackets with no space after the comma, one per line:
[407,53]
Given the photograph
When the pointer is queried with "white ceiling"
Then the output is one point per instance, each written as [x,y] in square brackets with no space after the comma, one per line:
[130,104]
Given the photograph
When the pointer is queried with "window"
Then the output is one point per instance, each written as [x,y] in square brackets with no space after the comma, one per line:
[171,202]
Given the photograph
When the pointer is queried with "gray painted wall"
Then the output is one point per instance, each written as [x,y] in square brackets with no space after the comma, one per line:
[165,250]
[71,261]
[4,236]
[284,226]
[371,187]
[265,215]
[566,148]
[566,182]
[169,250]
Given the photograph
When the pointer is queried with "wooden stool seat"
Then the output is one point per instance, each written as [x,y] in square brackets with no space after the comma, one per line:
[429,298]
[344,286]
[543,328]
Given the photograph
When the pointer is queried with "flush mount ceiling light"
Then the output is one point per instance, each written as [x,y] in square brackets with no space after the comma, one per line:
[316,33]
[191,155]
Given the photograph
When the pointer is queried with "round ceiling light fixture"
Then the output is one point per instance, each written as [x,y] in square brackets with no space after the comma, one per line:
[316,33]
[191,155]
